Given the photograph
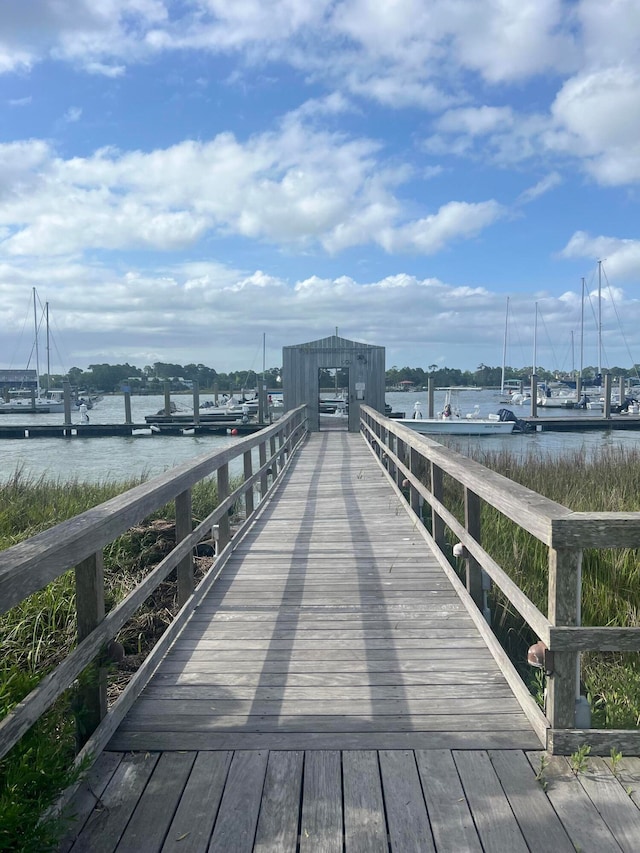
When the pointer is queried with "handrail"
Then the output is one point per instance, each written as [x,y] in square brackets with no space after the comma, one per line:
[78,542]
[564,532]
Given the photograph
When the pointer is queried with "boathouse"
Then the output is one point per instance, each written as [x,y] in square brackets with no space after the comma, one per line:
[365,364]
[12,380]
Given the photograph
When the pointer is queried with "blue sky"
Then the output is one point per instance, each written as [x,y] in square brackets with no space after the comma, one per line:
[178,179]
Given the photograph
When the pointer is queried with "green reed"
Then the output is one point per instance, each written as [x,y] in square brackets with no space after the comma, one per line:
[39,633]
[607,481]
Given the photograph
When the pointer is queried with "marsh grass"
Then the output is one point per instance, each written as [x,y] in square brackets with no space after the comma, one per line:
[38,634]
[608,481]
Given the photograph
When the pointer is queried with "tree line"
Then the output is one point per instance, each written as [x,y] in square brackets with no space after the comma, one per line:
[151,379]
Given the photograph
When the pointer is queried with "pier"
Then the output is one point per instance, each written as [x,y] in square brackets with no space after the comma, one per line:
[332,683]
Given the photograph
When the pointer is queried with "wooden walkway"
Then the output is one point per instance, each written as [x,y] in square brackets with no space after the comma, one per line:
[332,693]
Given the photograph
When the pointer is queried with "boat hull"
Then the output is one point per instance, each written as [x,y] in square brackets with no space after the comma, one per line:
[457,426]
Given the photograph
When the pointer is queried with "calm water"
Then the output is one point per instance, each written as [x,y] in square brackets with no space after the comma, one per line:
[117,459]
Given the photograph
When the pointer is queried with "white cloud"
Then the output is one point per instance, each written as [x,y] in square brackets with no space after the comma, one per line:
[453,221]
[291,187]
[598,116]
[622,255]
[72,115]
[543,186]
[475,121]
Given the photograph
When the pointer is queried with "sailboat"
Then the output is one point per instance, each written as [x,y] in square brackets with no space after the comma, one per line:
[46,404]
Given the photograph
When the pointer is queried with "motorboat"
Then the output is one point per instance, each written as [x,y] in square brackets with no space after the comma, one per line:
[458,426]
[451,422]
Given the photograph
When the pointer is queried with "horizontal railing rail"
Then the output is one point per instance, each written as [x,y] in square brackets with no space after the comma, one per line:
[78,543]
[405,455]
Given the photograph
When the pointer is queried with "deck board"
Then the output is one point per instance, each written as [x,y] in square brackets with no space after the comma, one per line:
[332,616]
[331,694]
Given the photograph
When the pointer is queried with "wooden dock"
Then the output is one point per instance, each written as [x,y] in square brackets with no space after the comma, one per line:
[569,423]
[124,430]
[331,692]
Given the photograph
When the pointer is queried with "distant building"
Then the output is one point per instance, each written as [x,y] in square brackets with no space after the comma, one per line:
[18,380]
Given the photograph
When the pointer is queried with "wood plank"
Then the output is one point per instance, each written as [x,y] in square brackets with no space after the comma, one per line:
[260,680]
[365,829]
[103,830]
[317,660]
[407,818]
[492,815]
[398,692]
[328,723]
[277,830]
[235,827]
[449,814]
[364,707]
[618,810]
[455,642]
[580,818]
[195,816]
[628,772]
[87,796]
[125,741]
[321,819]
[155,808]
[414,657]
[534,813]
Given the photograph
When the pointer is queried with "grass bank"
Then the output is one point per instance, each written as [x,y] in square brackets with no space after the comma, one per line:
[39,633]
[608,481]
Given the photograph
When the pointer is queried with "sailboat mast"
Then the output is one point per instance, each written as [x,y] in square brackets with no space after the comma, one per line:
[600,321]
[535,339]
[582,330]
[48,347]
[35,326]
[504,346]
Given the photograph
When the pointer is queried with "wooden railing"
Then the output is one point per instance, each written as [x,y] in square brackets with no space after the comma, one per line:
[79,542]
[404,453]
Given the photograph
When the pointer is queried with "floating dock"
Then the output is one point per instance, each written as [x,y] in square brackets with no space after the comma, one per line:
[583,424]
[187,427]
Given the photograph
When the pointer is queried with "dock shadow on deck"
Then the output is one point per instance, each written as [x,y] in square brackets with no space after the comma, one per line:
[331,693]
[331,627]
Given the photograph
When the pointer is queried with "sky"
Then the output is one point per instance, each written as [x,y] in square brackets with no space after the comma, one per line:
[207,181]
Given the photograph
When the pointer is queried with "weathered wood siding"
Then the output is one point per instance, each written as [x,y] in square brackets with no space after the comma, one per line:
[301,363]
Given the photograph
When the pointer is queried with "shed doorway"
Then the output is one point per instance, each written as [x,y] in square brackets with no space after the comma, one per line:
[333,398]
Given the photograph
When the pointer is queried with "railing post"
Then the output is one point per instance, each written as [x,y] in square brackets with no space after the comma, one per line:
[472,525]
[223,491]
[184,526]
[272,454]
[127,406]
[437,490]
[414,497]
[534,395]
[248,495]
[262,456]
[564,566]
[607,396]
[196,403]
[66,396]
[400,453]
[91,696]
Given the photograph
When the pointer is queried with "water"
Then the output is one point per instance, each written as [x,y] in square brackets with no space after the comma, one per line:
[106,459]
[536,444]
[120,459]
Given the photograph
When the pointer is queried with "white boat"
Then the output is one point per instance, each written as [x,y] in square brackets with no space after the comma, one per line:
[451,422]
[27,406]
[38,401]
[458,426]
